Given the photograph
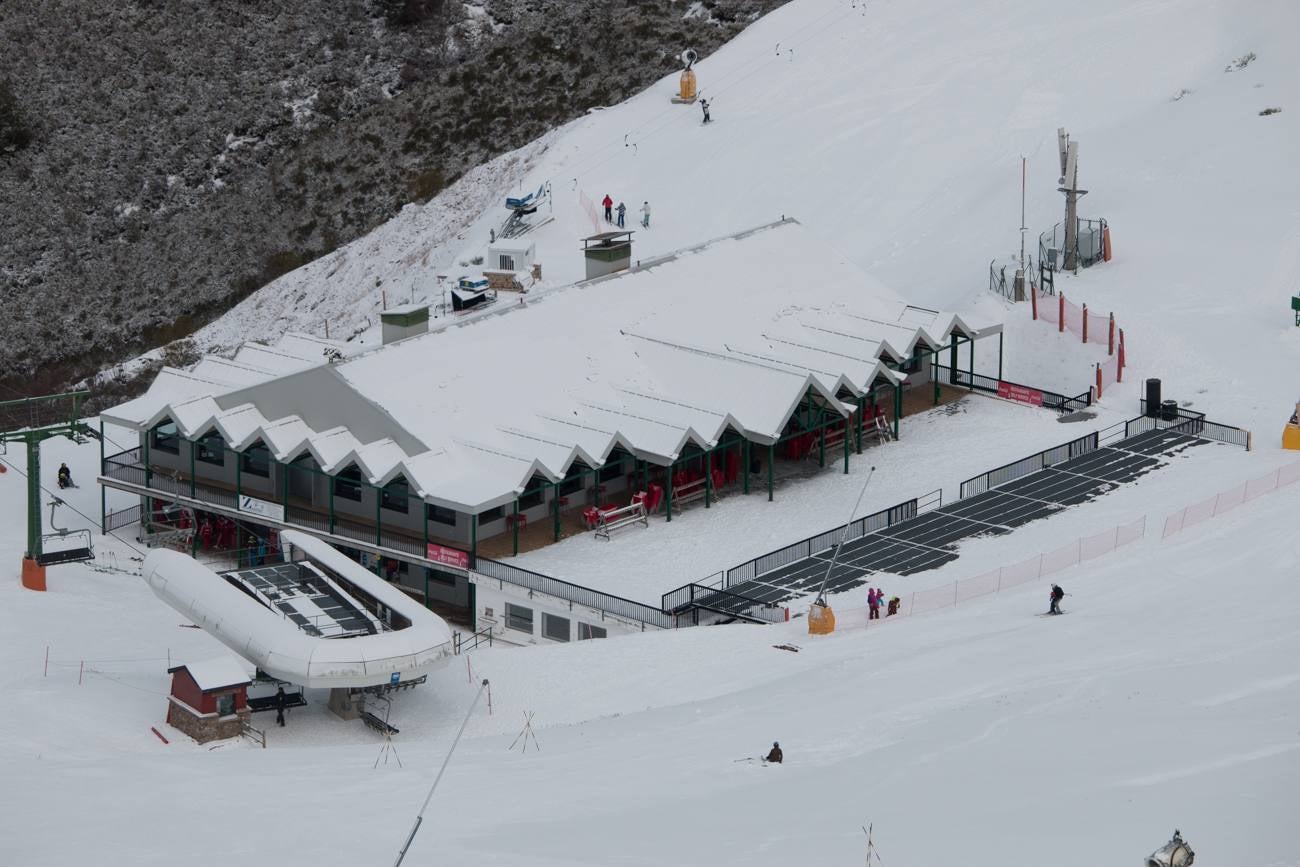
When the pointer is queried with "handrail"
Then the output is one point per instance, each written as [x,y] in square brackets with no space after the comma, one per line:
[574,593]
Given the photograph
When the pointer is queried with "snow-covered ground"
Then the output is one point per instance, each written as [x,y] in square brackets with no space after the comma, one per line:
[979,735]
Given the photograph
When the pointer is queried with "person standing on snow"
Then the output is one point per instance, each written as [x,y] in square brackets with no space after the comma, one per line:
[65,476]
[893,606]
[704,104]
[1057,595]
[622,209]
[608,203]
[280,701]
[775,756]
[645,215]
[873,604]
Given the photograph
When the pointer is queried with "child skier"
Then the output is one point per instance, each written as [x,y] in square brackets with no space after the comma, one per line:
[775,756]
[873,604]
[622,209]
[1057,595]
[65,476]
[893,606]
[704,104]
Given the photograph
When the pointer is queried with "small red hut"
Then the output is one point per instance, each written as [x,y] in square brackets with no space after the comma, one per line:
[209,699]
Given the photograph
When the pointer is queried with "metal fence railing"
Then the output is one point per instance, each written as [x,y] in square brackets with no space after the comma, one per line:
[1188,421]
[1089,244]
[1027,465]
[120,518]
[823,541]
[647,615]
[692,598]
[1002,387]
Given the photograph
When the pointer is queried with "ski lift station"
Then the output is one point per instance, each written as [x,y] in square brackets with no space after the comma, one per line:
[436,459]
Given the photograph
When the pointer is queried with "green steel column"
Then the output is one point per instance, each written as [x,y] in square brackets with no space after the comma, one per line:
[424,510]
[103,491]
[771,459]
[821,444]
[473,541]
[426,586]
[972,363]
[555,503]
[668,500]
[148,472]
[329,483]
[284,480]
[898,406]
[934,374]
[33,441]
[379,514]
[999,355]
[708,476]
[846,446]
[515,527]
[746,467]
[193,449]
[239,481]
[645,476]
[952,357]
[862,410]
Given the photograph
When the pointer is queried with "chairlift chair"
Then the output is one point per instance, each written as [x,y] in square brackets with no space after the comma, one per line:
[64,545]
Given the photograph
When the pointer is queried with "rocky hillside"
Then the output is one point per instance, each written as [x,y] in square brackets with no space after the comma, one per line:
[161,159]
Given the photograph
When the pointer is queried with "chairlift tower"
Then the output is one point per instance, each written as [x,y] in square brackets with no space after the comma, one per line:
[31,421]
[1070,186]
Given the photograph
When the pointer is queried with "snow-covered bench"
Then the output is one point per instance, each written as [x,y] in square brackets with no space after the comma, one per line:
[689,491]
[616,519]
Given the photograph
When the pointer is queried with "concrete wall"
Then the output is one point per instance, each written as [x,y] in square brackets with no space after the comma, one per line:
[491,597]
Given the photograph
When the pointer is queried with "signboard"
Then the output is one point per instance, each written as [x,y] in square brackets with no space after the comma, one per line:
[449,556]
[394,678]
[253,506]
[1019,393]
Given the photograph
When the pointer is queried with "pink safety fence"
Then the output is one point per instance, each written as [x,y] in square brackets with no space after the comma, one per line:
[1090,327]
[593,213]
[1225,501]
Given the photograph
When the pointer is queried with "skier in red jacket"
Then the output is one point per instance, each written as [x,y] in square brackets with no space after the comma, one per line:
[609,208]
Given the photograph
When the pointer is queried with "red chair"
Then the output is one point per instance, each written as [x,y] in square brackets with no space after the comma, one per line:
[717,479]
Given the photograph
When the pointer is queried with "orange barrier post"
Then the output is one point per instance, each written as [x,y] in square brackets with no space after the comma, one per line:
[1110,336]
[1085,322]
[1099,382]
[1105,244]
[33,575]
[1060,315]
[1033,299]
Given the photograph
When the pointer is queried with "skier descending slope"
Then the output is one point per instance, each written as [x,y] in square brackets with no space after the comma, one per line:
[704,104]
[1057,595]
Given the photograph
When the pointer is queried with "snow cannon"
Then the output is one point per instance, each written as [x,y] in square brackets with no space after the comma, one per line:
[821,619]
[687,90]
[1175,853]
[1291,433]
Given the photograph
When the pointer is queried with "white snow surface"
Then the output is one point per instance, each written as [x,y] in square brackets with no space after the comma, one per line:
[217,672]
[978,735]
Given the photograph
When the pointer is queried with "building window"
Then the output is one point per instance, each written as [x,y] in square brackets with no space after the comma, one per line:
[226,704]
[347,484]
[609,472]
[164,438]
[396,495]
[586,630]
[440,515]
[492,515]
[256,461]
[572,480]
[555,628]
[211,449]
[506,262]
[519,617]
[533,496]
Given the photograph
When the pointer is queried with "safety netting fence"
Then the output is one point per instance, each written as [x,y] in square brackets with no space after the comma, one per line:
[1225,501]
[1090,327]
[593,214]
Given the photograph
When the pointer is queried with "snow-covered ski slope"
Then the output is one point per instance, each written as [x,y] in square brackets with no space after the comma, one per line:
[981,735]
[894,131]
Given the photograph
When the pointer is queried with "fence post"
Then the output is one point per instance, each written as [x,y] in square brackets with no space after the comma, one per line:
[1110,336]
[1033,299]
[1119,375]
[1085,322]
[1060,313]
[1098,382]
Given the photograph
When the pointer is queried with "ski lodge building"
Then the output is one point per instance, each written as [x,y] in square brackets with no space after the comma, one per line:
[718,368]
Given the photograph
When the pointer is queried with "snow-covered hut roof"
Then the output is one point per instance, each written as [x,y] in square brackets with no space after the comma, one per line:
[734,333]
[218,673]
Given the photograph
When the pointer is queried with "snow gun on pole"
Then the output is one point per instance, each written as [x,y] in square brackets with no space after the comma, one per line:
[821,619]
[419,817]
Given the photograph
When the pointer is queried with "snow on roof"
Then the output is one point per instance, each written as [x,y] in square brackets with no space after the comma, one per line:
[217,673]
[733,333]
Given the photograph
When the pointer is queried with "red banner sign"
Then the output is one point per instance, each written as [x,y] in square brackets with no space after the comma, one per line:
[449,556]
[1019,393]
